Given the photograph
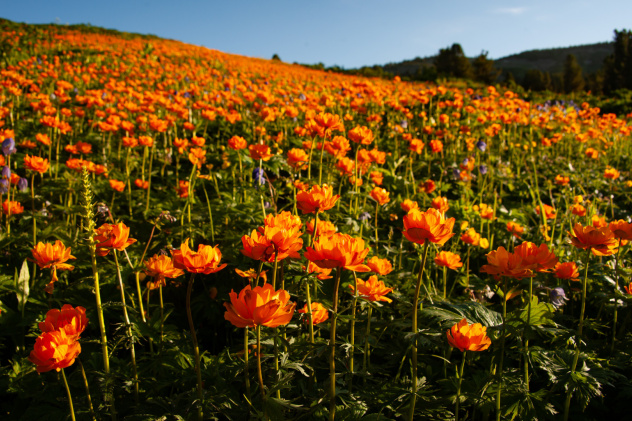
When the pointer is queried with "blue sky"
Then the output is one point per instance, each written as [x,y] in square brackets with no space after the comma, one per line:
[348,33]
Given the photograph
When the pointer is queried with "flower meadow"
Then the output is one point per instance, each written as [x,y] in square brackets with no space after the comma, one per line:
[189,234]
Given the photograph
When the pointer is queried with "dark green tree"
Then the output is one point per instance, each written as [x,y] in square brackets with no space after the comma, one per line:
[536,80]
[451,62]
[573,78]
[483,69]
[618,66]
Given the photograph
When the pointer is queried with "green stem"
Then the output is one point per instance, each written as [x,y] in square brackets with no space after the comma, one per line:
[458,389]
[196,349]
[578,338]
[246,374]
[162,316]
[85,382]
[140,297]
[524,335]
[502,351]
[367,361]
[128,325]
[413,398]
[210,214]
[259,374]
[616,305]
[377,208]
[332,350]
[309,312]
[352,333]
[72,410]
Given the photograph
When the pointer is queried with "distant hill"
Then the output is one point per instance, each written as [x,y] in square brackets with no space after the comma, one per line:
[590,57]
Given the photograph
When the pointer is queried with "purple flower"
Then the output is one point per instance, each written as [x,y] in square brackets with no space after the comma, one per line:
[258,175]
[456,173]
[558,297]
[4,186]
[482,169]
[481,145]
[8,146]
[6,172]
[23,184]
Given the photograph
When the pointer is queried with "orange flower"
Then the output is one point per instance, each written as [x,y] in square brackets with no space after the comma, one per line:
[468,337]
[237,143]
[117,185]
[183,189]
[430,225]
[380,195]
[621,229]
[471,237]
[141,184]
[449,260]
[611,173]
[160,266]
[567,270]
[109,236]
[561,180]
[515,229]
[325,228]
[436,145]
[252,274]
[408,204]
[377,177]
[322,273]
[361,134]
[329,123]
[600,241]
[52,256]
[628,289]
[549,211]
[205,260]
[72,321]
[503,263]
[440,203]
[427,186]
[339,250]
[297,159]
[319,313]
[380,266]
[261,306]
[317,199]
[279,236]
[540,258]
[578,210]
[260,152]
[36,163]
[11,207]
[54,350]
[372,289]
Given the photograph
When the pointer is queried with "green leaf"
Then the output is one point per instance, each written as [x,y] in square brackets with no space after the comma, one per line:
[23,286]
[541,313]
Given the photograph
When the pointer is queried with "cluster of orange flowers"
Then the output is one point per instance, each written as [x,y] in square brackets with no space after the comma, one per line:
[58,345]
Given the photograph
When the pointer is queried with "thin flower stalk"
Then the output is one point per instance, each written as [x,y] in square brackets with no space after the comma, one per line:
[196,349]
[72,410]
[128,325]
[332,349]
[413,399]
[85,382]
[578,337]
